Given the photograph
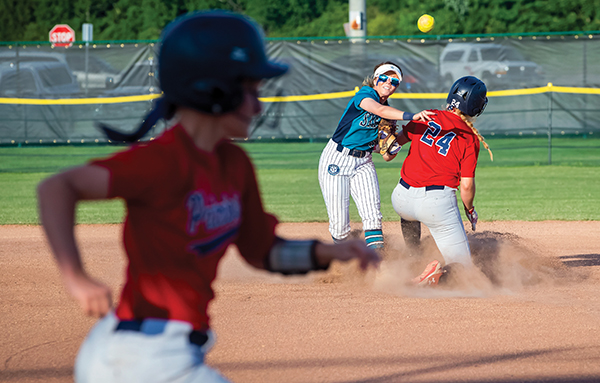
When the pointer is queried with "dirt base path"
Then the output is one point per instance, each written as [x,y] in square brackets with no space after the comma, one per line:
[531,315]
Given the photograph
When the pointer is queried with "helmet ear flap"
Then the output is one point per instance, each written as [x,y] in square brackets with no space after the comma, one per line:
[216,96]
[478,111]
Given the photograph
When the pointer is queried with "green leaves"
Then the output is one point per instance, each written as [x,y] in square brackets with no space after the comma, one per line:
[31,20]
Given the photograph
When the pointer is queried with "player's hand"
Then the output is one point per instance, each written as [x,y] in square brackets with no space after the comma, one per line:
[388,157]
[93,297]
[472,216]
[423,115]
[347,251]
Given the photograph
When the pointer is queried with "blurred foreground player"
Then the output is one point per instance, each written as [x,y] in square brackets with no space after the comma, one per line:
[190,193]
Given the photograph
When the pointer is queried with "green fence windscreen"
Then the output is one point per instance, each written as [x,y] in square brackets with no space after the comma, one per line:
[57,95]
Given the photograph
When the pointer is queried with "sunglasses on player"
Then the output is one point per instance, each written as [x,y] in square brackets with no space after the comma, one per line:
[384,78]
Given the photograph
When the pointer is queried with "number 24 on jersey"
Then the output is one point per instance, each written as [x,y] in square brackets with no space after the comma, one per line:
[430,135]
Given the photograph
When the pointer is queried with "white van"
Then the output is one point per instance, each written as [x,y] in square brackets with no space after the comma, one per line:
[499,66]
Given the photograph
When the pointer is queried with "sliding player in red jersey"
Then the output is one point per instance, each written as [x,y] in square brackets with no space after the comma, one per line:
[443,156]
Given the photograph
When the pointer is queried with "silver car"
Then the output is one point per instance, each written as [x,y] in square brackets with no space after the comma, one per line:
[499,66]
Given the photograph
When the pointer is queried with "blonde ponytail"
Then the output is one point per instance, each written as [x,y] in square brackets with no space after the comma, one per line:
[469,122]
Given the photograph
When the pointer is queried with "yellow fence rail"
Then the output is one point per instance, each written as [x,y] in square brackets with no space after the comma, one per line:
[310,97]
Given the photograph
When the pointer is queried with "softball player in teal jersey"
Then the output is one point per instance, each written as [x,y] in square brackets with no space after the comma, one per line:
[346,167]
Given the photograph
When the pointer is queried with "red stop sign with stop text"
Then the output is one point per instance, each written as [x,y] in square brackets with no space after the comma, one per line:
[62,35]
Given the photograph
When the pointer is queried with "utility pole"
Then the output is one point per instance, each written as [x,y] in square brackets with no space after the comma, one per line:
[357,19]
[357,29]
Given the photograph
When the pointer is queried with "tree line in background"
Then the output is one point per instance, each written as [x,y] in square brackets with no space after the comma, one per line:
[31,20]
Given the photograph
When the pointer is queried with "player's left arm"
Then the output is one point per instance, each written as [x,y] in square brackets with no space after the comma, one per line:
[468,164]
[467,191]
[467,194]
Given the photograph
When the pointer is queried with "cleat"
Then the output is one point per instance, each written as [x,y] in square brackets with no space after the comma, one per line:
[430,276]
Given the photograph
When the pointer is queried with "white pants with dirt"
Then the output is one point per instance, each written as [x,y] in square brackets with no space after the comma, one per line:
[159,351]
[438,210]
[342,175]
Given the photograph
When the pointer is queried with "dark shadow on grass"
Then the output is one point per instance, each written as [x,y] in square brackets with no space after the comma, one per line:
[581,260]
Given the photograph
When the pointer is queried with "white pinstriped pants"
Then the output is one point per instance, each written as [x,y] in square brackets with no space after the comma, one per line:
[342,176]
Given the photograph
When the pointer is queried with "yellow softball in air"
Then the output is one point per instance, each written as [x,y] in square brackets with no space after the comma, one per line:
[425,23]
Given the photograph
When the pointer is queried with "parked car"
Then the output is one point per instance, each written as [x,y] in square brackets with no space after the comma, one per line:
[37,79]
[139,78]
[98,69]
[499,66]
[13,57]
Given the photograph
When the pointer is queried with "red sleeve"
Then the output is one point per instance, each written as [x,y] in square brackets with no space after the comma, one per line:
[414,127]
[134,171]
[257,231]
[408,130]
[469,161]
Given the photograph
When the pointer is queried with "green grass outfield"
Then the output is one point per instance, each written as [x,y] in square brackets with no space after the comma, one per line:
[518,185]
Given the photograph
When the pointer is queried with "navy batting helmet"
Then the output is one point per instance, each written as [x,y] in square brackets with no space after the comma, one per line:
[468,94]
[203,58]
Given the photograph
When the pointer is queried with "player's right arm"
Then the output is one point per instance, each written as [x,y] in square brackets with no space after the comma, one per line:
[57,199]
[346,251]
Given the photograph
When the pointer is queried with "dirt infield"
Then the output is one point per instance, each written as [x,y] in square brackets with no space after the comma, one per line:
[531,315]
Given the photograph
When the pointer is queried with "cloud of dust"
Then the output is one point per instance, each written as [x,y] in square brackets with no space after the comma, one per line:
[505,264]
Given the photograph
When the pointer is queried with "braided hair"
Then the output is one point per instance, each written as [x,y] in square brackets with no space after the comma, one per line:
[469,121]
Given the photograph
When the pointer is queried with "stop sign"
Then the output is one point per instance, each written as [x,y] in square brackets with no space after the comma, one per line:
[62,35]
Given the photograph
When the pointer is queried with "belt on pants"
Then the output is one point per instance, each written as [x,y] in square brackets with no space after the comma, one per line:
[196,337]
[353,152]
[427,188]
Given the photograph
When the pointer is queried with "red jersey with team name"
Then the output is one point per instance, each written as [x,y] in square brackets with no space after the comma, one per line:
[441,151]
[184,208]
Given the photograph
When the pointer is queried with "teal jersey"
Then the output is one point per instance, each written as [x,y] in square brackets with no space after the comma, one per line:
[357,128]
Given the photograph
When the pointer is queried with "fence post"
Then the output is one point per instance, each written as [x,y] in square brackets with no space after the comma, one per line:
[549,123]
[585,97]
[87,36]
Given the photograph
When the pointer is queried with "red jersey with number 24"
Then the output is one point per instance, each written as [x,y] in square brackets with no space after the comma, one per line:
[185,206]
[441,151]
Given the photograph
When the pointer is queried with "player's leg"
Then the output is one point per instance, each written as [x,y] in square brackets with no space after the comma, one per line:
[411,231]
[440,213]
[89,366]
[364,188]
[404,202]
[334,180]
